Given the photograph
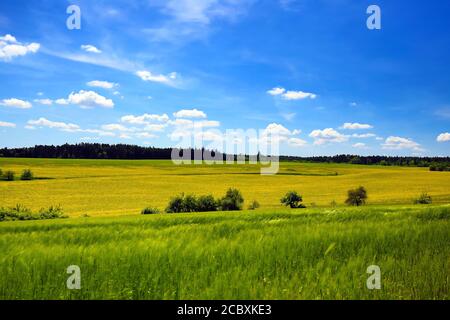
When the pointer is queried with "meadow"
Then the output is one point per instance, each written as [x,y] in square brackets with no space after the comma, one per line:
[118,187]
[321,252]
[262,254]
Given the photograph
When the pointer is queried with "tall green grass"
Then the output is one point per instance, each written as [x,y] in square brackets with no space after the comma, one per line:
[283,254]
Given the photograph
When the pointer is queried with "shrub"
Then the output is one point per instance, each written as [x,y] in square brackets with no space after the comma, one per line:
[176,204]
[206,203]
[293,200]
[254,205]
[424,198]
[150,210]
[356,197]
[1,173]
[333,203]
[26,175]
[232,200]
[19,212]
[189,203]
[9,175]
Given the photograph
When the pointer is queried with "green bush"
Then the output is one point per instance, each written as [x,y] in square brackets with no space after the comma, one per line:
[356,197]
[176,204]
[19,212]
[293,200]
[424,198]
[9,175]
[150,210]
[206,203]
[27,175]
[232,200]
[254,205]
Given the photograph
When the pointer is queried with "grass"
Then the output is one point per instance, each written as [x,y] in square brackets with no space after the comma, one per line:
[118,187]
[263,254]
[321,252]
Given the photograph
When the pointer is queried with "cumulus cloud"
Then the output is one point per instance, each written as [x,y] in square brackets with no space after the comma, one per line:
[189,113]
[160,78]
[356,126]
[443,137]
[359,145]
[291,95]
[115,127]
[11,48]
[5,124]
[327,135]
[399,143]
[276,91]
[364,135]
[47,102]
[297,142]
[15,103]
[87,99]
[90,48]
[102,84]
[43,122]
[145,118]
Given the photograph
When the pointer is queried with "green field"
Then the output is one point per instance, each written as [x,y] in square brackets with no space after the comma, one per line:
[321,252]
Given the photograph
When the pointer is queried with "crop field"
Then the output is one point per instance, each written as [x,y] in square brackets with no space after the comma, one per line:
[321,252]
[263,254]
[118,187]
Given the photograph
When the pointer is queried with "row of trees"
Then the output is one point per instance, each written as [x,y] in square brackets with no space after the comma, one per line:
[125,151]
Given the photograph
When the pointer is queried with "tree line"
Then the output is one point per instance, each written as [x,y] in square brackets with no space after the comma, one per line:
[126,151]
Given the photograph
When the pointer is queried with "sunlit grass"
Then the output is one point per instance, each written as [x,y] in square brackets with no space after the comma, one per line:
[262,254]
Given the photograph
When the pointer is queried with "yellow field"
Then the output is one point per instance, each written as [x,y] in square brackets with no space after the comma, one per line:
[118,187]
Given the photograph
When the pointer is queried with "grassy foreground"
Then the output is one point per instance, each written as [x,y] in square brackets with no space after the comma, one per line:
[263,254]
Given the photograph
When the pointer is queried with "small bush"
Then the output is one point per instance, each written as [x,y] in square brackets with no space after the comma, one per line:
[293,200]
[206,203]
[27,175]
[19,212]
[232,200]
[150,210]
[356,197]
[176,204]
[424,198]
[333,203]
[9,175]
[254,205]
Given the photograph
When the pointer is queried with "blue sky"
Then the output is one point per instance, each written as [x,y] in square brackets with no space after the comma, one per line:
[143,72]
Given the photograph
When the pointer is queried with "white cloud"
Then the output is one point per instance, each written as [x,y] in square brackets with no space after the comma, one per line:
[47,102]
[291,95]
[276,91]
[359,145]
[443,137]
[62,101]
[90,48]
[275,129]
[10,48]
[327,135]
[155,127]
[43,122]
[298,95]
[296,131]
[102,84]
[114,127]
[87,99]
[398,143]
[191,113]
[15,103]
[353,104]
[363,136]
[356,126]
[160,78]
[145,118]
[297,142]
[145,135]
[7,124]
